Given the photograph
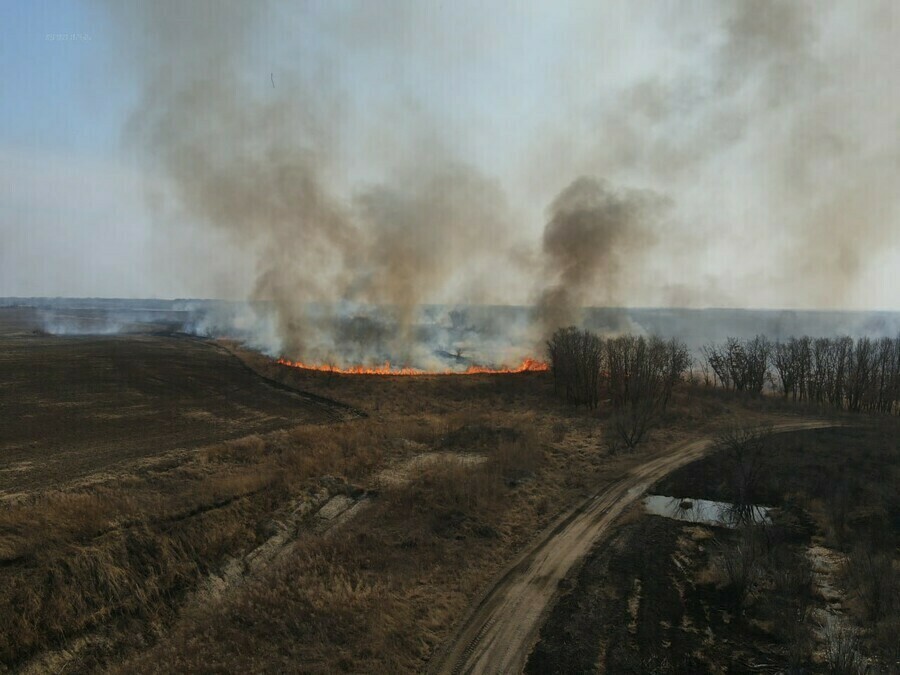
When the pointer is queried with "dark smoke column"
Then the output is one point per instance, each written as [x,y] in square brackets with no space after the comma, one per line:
[594,231]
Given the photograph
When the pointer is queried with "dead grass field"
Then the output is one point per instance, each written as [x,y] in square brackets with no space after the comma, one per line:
[343,547]
[71,406]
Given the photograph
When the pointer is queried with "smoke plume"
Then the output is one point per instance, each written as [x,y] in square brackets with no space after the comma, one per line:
[265,167]
[768,154]
[593,231]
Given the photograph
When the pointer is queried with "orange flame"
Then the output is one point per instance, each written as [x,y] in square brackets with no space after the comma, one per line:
[527,366]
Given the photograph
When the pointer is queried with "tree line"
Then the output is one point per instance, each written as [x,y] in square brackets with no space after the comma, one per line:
[861,375]
[636,373]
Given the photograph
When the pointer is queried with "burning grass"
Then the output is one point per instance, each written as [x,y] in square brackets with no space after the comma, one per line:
[527,366]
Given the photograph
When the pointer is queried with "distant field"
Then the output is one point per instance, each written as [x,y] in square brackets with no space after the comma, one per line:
[73,405]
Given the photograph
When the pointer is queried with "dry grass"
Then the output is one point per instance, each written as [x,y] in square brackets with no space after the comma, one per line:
[321,608]
[126,572]
[381,593]
[56,517]
[77,560]
[366,598]
[376,595]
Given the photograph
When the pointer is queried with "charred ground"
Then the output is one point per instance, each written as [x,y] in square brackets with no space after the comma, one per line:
[817,591]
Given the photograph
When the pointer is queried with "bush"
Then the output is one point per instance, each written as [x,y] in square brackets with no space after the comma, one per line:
[871,573]
[739,563]
[842,649]
[576,361]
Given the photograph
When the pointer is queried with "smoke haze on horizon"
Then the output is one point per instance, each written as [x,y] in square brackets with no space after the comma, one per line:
[740,155]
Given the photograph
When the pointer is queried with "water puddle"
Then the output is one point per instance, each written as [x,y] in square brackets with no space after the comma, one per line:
[706,512]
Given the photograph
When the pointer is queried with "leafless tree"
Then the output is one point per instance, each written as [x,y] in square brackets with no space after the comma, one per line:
[861,375]
[632,422]
[842,648]
[716,359]
[740,563]
[783,362]
[742,448]
[742,365]
[576,360]
[871,573]
[641,375]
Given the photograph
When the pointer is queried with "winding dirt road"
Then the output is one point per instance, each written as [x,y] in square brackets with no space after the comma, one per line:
[501,627]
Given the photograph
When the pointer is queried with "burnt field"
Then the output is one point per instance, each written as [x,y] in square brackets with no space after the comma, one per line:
[75,405]
[815,590]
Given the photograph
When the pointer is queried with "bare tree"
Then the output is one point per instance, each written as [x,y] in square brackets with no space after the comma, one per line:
[742,365]
[641,375]
[783,362]
[742,448]
[576,360]
[717,361]
[871,572]
[740,563]
[757,352]
[857,376]
[632,422]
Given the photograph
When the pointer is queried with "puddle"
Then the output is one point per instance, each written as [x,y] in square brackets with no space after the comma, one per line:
[704,511]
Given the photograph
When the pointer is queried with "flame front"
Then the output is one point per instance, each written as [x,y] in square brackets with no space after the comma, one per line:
[527,366]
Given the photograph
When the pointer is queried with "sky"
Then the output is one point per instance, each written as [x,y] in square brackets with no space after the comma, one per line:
[770,130]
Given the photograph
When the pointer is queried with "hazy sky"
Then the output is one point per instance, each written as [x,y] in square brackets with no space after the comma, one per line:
[771,130]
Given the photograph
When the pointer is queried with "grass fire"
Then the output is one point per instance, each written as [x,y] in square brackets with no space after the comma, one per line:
[215,500]
[527,366]
[427,337]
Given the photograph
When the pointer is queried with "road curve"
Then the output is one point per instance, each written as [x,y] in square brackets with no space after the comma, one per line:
[501,627]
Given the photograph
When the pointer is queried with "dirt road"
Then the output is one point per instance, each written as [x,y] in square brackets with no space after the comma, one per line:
[500,629]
